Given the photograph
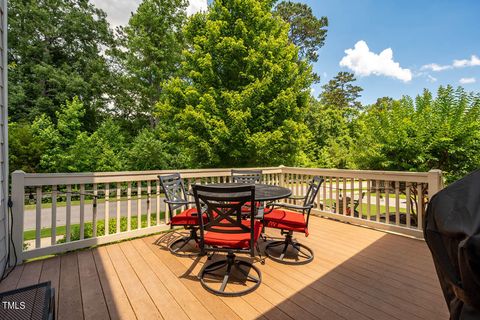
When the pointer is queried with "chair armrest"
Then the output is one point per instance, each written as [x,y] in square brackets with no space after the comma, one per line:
[296,198]
[288,205]
[178,202]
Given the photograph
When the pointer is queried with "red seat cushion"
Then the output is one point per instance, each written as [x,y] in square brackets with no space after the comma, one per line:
[239,240]
[188,217]
[285,220]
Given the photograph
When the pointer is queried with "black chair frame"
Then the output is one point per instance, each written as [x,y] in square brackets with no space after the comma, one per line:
[223,207]
[246,176]
[176,198]
[305,209]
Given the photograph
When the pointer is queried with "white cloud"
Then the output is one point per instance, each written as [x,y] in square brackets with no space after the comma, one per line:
[472,62]
[467,80]
[435,67]
[119,11]
[196,6]
[431,79]
[365,63]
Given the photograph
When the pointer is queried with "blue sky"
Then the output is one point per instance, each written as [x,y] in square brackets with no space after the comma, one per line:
[429,42]
[419,33]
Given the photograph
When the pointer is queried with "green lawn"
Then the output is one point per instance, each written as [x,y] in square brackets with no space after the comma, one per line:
[373,208]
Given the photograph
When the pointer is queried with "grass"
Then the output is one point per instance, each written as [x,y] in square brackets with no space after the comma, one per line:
[373,208]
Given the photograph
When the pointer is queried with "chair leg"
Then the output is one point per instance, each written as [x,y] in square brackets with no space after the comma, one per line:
[303,253]
[230,264]
[176,246]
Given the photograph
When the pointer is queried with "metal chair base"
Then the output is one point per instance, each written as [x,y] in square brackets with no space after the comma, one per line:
[177,245]
[230,265]
[302,251]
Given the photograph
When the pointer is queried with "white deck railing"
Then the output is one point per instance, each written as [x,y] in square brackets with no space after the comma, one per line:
[64,211]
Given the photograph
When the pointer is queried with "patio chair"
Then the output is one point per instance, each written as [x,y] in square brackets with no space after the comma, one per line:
[176,198]
[291,221]
[227,230]
[246,176]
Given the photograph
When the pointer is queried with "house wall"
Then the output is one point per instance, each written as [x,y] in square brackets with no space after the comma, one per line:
[3,136]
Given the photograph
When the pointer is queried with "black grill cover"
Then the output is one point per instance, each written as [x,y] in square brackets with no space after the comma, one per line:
[452,232]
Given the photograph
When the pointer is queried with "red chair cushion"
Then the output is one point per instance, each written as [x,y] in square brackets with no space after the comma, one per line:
[285,220]
[233,240]
[188,217]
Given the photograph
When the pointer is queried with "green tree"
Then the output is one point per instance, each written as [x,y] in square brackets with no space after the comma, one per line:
[342,94]
[422,134]
[243,92]
[25,149]
[103,150]
[332,136]
[149,53]
[55,53]
[307,31]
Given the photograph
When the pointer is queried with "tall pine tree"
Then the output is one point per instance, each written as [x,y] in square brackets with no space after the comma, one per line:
[243,90]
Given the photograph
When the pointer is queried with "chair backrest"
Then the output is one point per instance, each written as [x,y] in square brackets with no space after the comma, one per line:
[174,190]
[246,176]
[223,207]
[312,191]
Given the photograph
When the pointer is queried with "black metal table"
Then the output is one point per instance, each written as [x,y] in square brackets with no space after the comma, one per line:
[263,192]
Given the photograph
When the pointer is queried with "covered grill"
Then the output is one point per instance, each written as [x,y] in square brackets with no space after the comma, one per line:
[452,232]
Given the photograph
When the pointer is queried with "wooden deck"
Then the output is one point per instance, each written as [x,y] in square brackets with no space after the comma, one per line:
[357,273]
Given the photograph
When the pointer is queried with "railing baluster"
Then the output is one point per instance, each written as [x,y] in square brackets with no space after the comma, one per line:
[369,198]
[82,211]
[119,208]
[68,219]
[297,185]
[409,209]
[360,198]
[397,203]
[38,219]
[94,210]
[344,196]
[324,193]
[420,207]
[149,199]
[330,183]
[337,195]
[107,208]
[377,200]
[139,204]
[129,206]
[54,216]
[387,202]
[352,197]
[157,185]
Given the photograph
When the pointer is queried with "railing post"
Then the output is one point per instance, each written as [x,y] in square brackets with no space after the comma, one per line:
[435,182]
[18,200]
[282,176]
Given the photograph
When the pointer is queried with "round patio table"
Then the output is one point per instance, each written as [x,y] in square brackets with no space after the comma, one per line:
[263,192]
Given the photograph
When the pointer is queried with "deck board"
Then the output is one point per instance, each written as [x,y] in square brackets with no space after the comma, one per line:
[357,273]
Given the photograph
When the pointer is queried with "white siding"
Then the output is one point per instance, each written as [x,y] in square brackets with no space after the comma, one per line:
[3,135]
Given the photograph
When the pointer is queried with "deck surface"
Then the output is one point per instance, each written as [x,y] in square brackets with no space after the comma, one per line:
[357,273]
